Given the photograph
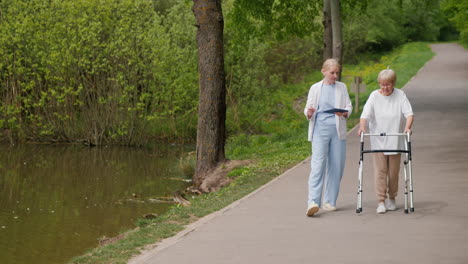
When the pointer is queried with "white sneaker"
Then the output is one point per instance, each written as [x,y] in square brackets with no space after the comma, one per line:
[328,207]
[381,208]
[312,209]
[390,205]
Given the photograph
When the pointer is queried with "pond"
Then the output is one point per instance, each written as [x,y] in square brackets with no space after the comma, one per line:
[57,201]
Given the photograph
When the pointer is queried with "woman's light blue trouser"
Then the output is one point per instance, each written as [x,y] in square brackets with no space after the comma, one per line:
[328,158]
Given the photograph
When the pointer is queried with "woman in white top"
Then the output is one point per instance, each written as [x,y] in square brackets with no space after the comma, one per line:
[385,111]
[327,131]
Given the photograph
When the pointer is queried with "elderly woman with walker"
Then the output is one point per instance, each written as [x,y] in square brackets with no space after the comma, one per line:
[385,112]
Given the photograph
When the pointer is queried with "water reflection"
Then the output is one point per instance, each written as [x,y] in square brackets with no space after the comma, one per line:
[56,201]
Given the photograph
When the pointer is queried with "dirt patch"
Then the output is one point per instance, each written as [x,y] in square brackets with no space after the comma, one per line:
[108,240]
[299,104]
[218,177]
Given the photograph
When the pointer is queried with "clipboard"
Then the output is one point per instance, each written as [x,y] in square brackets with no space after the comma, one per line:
[334,110]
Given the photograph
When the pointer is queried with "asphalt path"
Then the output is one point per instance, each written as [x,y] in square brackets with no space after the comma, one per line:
[270,226]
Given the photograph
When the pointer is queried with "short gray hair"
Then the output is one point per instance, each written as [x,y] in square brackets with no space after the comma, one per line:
[387,75]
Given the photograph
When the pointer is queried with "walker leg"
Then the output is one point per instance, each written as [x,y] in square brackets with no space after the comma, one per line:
[359,192]
[406,186]
[411,200]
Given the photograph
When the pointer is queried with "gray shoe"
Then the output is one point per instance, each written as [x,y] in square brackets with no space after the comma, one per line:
[328,207]
[381,208]
[390,205]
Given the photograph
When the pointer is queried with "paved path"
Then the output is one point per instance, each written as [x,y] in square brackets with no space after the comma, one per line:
[270,226]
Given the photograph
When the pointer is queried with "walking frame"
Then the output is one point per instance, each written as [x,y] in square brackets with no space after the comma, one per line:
[406,169]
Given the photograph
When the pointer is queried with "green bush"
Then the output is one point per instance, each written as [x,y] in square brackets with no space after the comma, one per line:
[455,11]
[98,71]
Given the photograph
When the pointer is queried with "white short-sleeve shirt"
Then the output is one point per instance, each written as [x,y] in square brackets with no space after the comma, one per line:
[385,114]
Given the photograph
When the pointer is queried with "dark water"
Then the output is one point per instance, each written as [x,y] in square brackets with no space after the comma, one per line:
[58,201]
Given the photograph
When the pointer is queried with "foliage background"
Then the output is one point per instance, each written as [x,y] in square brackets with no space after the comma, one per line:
[125,71]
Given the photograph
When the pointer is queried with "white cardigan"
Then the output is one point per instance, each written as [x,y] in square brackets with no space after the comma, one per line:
[342,101]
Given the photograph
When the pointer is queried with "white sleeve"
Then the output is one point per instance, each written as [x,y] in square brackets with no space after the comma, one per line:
[406,108]
[348,104]
[310,100]
[368,110]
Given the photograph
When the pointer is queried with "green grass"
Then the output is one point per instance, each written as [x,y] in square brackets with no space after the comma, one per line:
[283,145]
[464,44]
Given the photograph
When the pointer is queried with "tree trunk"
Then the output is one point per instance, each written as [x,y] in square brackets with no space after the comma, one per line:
[212,101]
[327,31]
[336,32]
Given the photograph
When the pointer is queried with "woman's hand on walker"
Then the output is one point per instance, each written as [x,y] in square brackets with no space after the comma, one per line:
[361,130]
[408,130]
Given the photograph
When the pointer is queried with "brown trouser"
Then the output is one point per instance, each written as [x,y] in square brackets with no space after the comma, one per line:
[386,167]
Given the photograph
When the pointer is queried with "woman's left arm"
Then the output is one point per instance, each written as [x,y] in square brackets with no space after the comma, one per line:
[409,124]
[407,111]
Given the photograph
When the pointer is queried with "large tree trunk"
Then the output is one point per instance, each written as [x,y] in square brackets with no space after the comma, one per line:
[327,31]
[212,101]
[336,32]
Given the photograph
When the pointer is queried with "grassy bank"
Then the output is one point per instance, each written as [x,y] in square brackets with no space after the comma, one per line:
[282,146]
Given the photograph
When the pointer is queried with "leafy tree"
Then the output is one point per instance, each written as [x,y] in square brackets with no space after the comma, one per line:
[211,131]
[281,18]
[395,22]
[456,11]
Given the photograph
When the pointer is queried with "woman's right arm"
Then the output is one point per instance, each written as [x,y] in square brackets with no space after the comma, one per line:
[362,126]
[309,109]
[367,112]
[310,112]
